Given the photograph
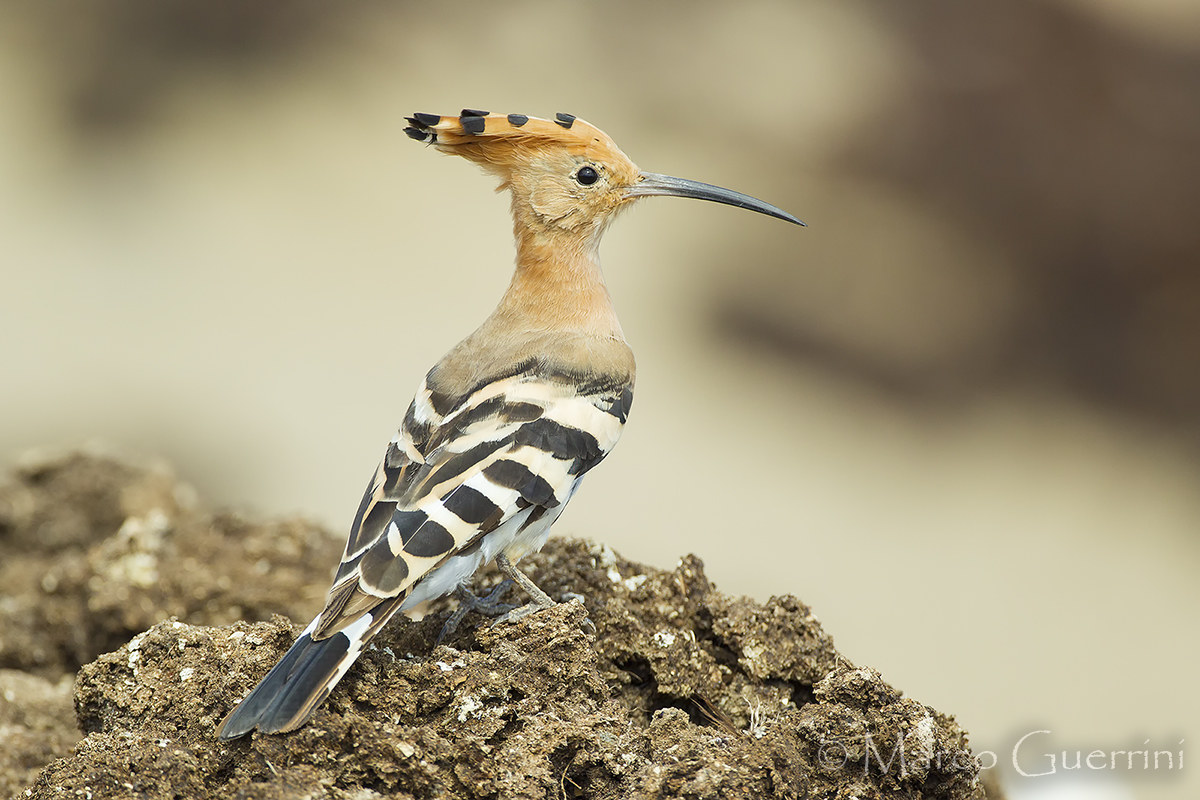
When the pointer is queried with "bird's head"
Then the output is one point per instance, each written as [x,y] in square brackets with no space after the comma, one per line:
[566,175]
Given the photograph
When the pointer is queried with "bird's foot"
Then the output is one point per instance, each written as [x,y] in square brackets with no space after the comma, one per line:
[529,608]
[538,600]
[489,605]
[522,611]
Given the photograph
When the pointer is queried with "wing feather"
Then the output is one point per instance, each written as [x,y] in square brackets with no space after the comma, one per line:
[463,480]
[450,478]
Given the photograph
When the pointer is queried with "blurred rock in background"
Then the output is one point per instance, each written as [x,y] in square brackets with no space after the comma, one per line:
[1062,151]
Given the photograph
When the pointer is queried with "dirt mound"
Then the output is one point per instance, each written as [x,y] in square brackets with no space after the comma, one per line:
[653,685]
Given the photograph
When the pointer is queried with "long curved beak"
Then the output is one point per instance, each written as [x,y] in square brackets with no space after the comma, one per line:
[654,184]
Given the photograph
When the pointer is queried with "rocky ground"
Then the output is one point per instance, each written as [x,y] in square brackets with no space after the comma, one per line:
[161,615]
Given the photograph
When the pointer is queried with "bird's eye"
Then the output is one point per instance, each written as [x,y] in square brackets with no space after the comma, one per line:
[587,176]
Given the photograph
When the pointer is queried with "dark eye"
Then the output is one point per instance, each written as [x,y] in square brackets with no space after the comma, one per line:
[587,176]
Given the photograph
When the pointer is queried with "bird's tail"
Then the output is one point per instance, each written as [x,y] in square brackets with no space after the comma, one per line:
[304,677]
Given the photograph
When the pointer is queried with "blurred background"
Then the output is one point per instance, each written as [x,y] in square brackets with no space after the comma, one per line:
[959,414]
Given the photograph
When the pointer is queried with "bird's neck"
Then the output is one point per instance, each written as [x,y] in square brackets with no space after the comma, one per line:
[558,286]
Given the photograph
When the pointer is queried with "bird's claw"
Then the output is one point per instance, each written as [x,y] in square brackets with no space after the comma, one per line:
[489,605]
[522,611]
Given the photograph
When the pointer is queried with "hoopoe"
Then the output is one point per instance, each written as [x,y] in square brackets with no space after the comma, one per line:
[504,427]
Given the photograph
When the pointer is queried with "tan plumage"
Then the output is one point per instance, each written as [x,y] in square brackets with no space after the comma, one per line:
[503,428]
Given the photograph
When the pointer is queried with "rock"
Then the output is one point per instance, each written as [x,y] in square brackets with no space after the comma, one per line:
[653,685]
[94,549]
[37,725]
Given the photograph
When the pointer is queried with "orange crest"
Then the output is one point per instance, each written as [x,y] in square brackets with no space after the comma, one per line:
[501,142]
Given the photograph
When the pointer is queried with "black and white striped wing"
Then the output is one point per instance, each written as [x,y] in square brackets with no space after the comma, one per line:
[490,475]
[514,447]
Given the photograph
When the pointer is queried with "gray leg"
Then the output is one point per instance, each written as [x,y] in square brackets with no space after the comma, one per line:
[538,599]
[489,605]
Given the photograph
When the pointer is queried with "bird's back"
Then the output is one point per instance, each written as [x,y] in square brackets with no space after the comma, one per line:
[493,446]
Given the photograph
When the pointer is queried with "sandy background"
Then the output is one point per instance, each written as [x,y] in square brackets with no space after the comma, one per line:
[976,369]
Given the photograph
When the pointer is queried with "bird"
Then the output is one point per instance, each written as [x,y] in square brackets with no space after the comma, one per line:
[505,426]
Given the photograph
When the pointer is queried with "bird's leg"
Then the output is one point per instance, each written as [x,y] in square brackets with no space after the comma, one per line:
[489,605]
[538,599]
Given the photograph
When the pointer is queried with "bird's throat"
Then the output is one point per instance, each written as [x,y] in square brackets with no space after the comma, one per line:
[558,285]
